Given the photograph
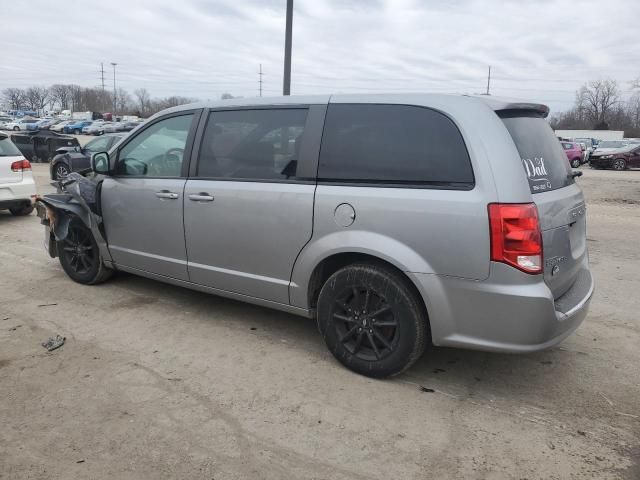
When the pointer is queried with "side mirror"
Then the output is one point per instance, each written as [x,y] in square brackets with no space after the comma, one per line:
[100,163]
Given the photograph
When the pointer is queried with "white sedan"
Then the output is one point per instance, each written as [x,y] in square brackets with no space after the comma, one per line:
[17,187]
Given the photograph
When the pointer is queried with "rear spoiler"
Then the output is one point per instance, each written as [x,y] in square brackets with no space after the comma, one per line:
[508,106]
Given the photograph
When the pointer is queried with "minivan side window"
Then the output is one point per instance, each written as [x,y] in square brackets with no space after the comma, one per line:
[158,150]
[261,144]
[393,144]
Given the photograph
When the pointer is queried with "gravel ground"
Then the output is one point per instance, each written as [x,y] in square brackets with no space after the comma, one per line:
[159,382]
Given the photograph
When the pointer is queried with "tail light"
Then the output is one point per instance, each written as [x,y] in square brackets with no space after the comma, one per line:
[20,165]
[515,236]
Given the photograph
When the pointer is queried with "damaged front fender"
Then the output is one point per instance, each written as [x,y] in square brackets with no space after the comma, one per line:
[76,198]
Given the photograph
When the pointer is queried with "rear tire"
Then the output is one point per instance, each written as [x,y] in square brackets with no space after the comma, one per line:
[77,131]
[619,164]
[21,211]
[371,320]
[16,129]
[575,163]
[80,257]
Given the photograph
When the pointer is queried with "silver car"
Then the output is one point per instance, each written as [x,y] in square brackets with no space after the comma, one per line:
[396,221]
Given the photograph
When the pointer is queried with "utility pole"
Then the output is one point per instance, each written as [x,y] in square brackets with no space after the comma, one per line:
[102,75]
[286,83]
[489,80]
[114,88]
[260,79]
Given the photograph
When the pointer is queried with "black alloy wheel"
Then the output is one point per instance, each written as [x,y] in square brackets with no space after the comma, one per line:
[79,250]
[365,323]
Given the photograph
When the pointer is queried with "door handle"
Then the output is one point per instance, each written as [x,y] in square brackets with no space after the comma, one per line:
[201,197]
[167,194]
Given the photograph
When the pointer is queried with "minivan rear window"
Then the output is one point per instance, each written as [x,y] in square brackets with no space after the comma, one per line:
[393,144]
[543,158]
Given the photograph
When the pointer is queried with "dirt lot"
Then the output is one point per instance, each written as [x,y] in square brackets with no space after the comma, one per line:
[159,382]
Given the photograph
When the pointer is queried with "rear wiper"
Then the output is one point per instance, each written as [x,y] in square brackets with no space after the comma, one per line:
[575,173]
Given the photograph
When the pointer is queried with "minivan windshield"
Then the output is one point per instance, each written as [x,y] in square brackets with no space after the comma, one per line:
[7,148]
[543,158]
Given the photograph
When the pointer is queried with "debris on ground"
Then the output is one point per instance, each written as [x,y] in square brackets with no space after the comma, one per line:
[439,370]
[47,304]
[54,342]
[13,329]
[583,433]
[425,389]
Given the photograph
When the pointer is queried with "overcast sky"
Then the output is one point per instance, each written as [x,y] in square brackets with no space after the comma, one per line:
[540,50]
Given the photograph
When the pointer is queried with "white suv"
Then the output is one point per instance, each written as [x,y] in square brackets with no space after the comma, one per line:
[17,187]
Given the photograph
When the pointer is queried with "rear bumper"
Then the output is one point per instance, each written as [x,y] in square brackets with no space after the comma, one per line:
[17,194]
[509,312]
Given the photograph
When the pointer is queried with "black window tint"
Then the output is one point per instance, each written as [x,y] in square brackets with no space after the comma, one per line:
[542,155]
[393,144]
[252,144]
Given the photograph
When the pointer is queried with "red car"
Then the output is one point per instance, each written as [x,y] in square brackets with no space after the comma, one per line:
[574,153]
[618,159]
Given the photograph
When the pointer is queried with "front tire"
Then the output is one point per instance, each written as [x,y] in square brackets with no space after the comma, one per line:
[80,257]
[575,163]
[16,129]
[371,320]
[619,164]
[77,131]
[21,211]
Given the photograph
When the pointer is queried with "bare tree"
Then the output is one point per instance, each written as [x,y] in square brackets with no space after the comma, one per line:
[14,97]
[61,95]
[36,97]
[226,96]
[143,97]
[75,97]
[597,98]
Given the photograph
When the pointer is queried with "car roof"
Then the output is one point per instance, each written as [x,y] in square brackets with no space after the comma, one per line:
[426,99]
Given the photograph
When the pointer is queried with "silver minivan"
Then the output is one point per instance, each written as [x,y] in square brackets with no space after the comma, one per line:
[397,221]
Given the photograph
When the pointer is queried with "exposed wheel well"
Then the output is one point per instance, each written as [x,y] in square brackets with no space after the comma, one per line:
[332,264]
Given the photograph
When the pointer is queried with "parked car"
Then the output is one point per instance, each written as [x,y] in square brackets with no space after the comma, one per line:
[574,153]
[585,152]
[20,124]
[58,127]
[96,128]
[76,126]
[112,127]
[77,159]
[128,126]
[395,221]
[618,159]
[4,121]
[17,187]
[41,145]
